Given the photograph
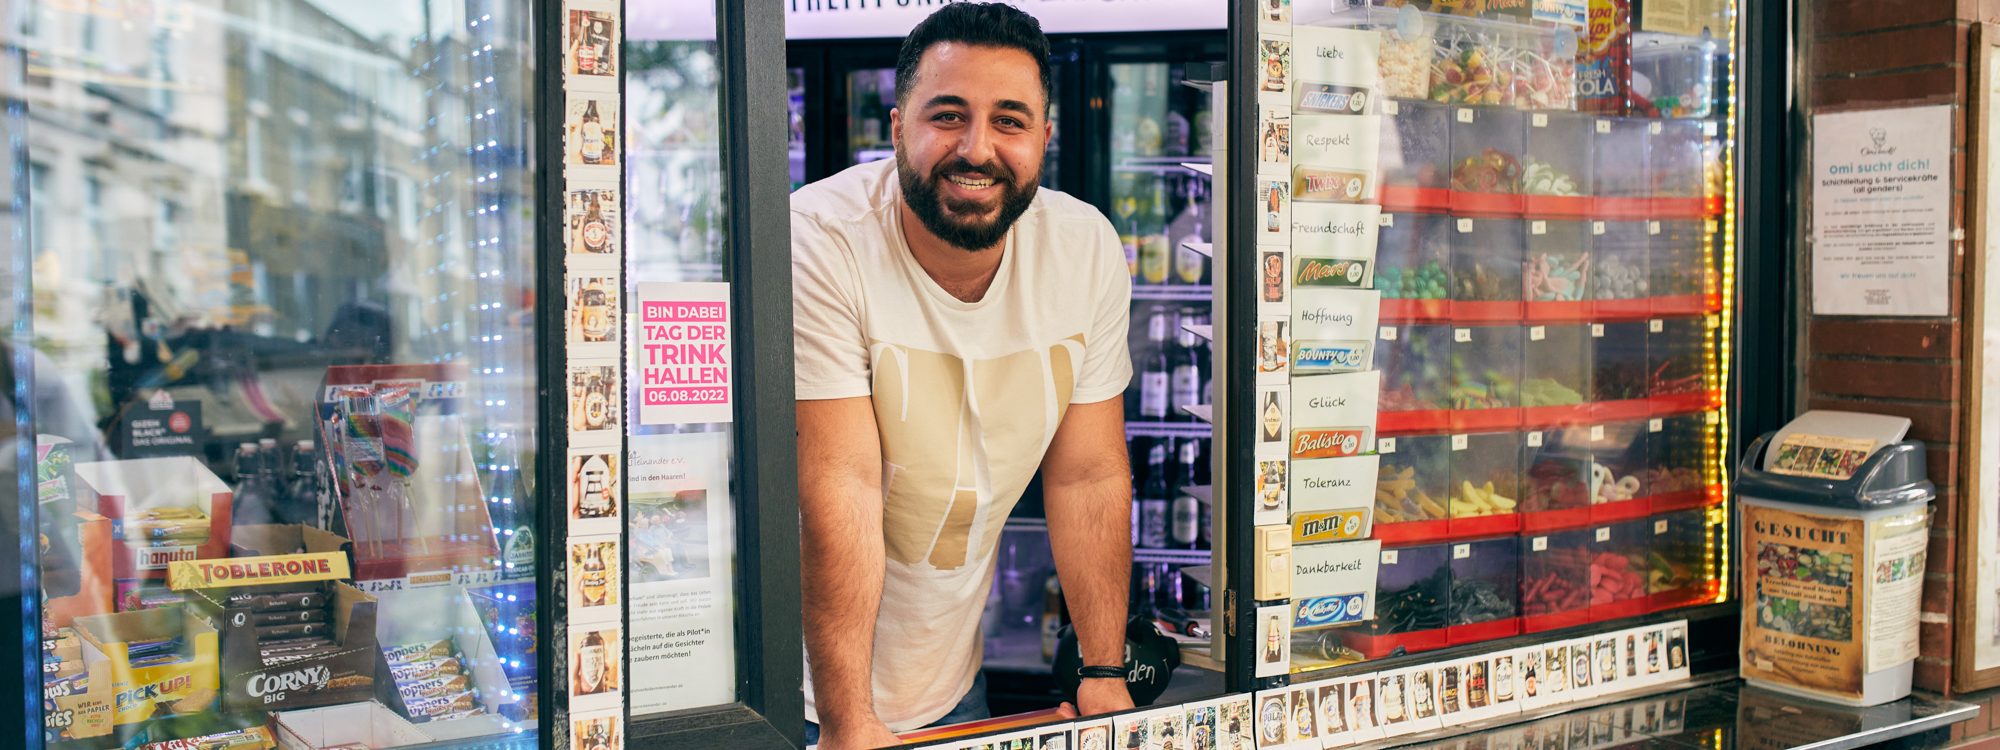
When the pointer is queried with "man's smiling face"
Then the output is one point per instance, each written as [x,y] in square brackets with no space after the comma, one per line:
[970,137]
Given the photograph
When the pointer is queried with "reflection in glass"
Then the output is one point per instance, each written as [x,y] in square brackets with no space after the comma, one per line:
[282,282]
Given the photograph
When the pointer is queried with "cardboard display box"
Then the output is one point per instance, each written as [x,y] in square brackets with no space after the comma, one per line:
[445,527]
[124,489]
[184,686]
[431,614]
[367,723]
[92,547]
[343,676]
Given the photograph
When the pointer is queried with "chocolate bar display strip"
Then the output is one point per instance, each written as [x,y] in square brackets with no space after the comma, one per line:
[279,602]
[296,630]
[288,645]
[262,619]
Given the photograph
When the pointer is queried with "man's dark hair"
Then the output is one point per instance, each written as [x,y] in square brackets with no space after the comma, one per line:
[979,24]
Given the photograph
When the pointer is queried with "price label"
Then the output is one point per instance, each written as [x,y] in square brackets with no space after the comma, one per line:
[1596,227]
[1660,526]
[1538,227]
[1656,425]
[1461,551]
[1597,330]
[1596,432]
[1388,333]
[1461,335]
[1464,225]
[1392,108]
[1604,534]
[1385,446]
[1535,439]
[1389,556]
[1388,220]
[1652,227]
[1657,129]
[1540,120]
[1465,114]
[1714,321]
[1657,326]
[1537,333]
[1539,544]
[1715,417]
[1458,442]
[1604,126]
[1708,128]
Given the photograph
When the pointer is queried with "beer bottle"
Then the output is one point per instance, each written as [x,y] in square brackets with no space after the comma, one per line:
[1153,377]
[1187,509]
[1153,500]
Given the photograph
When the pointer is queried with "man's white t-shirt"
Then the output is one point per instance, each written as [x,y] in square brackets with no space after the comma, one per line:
[967,396]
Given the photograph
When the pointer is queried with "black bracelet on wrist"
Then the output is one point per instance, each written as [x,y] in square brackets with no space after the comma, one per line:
[1101,671]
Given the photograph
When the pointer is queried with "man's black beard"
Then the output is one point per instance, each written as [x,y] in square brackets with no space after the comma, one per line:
[921,193]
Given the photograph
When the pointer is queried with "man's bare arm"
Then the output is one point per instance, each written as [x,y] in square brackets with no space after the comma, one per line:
[840,512]
[1087,486]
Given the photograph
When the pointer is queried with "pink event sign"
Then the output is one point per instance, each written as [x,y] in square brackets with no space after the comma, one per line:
[684,357]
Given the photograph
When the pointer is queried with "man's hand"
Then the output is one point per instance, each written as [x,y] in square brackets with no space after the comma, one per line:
[1099,695]
[864,735]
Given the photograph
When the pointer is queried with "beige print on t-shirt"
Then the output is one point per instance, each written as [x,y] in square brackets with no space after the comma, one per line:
[927,422]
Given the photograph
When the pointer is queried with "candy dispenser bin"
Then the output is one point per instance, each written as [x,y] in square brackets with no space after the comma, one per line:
[1404,59]
[1474,62]
[1619,286]
[1618,569]
[1623,168]
[1677,164]
[1412,603]
[1546,63]
[1684,544]
[1677,372]
[1618,376]
[1681,279]
[1557,172]
[1486,260]
[1555,485]
[1618,456]
[1555,375]
[1555,281]
[1677,466]
[1485,377]
[1486,168]
[1416,377]
[1416,156]
[1413,267]
[1485,473]
[1555,575]
[1413,490]
[1672,76]
[1485,590]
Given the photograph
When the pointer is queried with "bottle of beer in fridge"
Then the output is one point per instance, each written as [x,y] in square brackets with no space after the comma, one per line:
[1185,381]
[1154,375]
[1187,509]
[1153,500]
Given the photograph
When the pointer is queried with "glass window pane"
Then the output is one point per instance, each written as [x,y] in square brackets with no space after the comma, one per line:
[681,522]
[282,287]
